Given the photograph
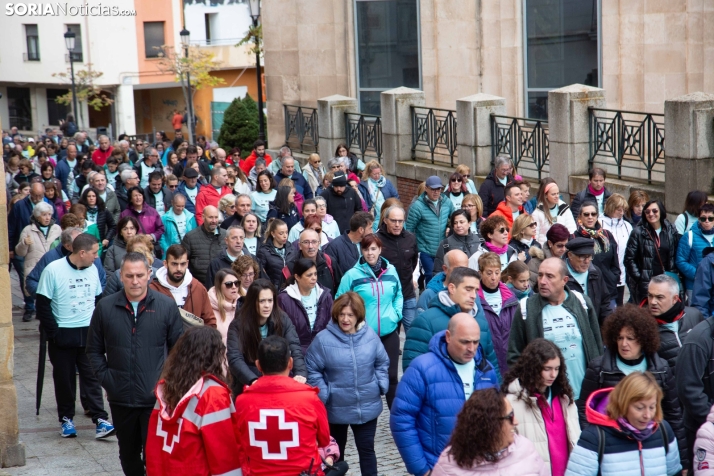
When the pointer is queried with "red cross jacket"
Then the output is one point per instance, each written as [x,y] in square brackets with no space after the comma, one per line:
[200,437]
[281,424]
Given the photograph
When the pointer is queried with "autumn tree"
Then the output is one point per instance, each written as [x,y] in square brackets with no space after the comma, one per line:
[86,89]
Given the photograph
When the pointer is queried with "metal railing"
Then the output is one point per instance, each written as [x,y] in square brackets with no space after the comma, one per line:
[301,132]
[524,141]
[363,132]
[434,131]
[629,144]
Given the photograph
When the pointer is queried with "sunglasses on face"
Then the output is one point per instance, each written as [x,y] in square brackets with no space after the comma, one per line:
[510,417]
[590,215]
[502,230]
[706,219]
[230,284]
[466,177]
[455,180]
[533,225]
[652,211]
[172,187]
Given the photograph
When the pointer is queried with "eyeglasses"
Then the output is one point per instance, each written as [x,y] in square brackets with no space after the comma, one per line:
[456,180]
[395,222]
[310,242]
[231,284]
[230,184]
[706,219]
[172,186]
[434,189]
[652,211]
[533,225]
[248,276]
[510,417]
[502,230]
[466,177]
[590,215]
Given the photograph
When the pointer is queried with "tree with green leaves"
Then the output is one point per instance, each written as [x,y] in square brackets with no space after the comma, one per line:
[87,91]
[240,125]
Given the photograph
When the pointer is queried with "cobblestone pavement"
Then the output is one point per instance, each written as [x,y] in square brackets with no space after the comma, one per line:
[49,454]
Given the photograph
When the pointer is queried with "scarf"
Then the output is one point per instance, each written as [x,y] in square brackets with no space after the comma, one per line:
[597,234]
[518,293]
[499,250]
[705,232]
[377,268]
[596,192]
[639,435]
[318,173]
[674,314]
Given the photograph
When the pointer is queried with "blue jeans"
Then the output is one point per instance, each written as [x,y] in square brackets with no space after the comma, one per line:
[408,313]
[18,262]
[427,263]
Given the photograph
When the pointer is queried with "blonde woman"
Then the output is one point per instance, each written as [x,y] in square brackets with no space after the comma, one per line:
[551,209]
[224,297]
[226,207]
[472,203]
[375,188]
[465,172]
[523,235]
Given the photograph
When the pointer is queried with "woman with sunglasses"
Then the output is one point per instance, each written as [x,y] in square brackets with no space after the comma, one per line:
[226,207]
[251,225]
[606,257]
[223,297]
[651,250]
[555,245]
[314,172]
[485,441]
[523,235]
[693,243]
[551,209]
[460,238]
[537,387]
[456,190]
[465,173]
[495,231]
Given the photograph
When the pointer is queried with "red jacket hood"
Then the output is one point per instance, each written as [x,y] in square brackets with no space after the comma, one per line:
[195,390]
[506,210]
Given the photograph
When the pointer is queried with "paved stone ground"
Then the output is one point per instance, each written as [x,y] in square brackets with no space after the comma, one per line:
[49,454]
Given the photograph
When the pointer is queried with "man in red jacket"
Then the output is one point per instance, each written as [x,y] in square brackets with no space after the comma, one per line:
[104,151]
[512,206]
[258,151]
[212,193]
[281,422]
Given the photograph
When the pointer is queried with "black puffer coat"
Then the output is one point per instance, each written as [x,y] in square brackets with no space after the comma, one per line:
[608,262]
[492,192]
[105,224]
[203,247]
[469,244]
[126,352]
[602,372]
[272,264]
[244,370]
[641,253]
[519,246]
[401,252]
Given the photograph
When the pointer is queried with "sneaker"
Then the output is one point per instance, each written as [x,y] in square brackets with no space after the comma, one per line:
[68,430]
[104,429]
[27,316]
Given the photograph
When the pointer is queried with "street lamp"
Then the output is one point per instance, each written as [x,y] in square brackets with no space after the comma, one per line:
[69,38]
[254,6]
[185,42]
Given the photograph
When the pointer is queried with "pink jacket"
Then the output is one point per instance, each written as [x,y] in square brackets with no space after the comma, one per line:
[704,448]
[521,459]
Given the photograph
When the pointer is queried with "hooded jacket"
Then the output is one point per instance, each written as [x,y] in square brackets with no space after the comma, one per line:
[469,244]
[199,437]
[620,230]
[127,351]
[492,192]
[351,372]
[401,251]
[382,294]
[435,286]
[520,459]
[603,372]
[596,291]
[622,454]
[272,263]
[171,231]
[290,302]
[385,187]
[197,301]
[208,195]
[100,156]
[436,319]
[342,207]
[429,398]
[531,423]
[690,255]
[202,248]
[704,445]
[429,222]
[641,254]
[586,196]
[563,216]
[505,211]
[500,324]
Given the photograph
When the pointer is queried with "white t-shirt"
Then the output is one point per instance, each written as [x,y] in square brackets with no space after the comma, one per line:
[466,373]
[72,292]
[180,224]
[192,193]
[160,202]
[310,304]
[494,300]
[561,328]
[251,244]
[260,202]
[145,171]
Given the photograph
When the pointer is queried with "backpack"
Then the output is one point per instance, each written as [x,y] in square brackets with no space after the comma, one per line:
[601,445]
[523,303]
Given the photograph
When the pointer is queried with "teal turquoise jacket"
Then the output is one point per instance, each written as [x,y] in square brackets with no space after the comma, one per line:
[171,235]
[382,294]
[428,225]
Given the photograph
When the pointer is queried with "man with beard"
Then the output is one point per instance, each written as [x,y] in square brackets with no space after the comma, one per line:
[342,201]
[258,152]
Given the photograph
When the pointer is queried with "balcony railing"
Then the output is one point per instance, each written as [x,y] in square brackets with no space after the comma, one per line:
[434,134]
[524,140]
[301,132]
[628,144]
[364,134]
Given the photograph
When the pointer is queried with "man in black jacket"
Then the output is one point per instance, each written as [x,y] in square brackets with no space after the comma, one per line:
[66,296]
[345,249]
[235,236]
[204,244]
[309,243]
[399,247]
[594,192]
[342,201]
[493,188]
[585,277]
[156,194]
[129,336]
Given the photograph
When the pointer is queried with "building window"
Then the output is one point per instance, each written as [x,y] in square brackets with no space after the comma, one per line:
[33,43]
[19,109]
[387,49]
[562,48]
[55,110]
[77,55]
[153,38]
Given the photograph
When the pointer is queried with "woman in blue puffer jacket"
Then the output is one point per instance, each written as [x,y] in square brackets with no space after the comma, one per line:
[692,244]
[348,363]
[377,283]
[375,188]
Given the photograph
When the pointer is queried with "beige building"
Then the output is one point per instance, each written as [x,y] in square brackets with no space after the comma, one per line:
[640,51]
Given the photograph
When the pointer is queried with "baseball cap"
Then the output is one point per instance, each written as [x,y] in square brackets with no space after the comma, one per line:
[434,182]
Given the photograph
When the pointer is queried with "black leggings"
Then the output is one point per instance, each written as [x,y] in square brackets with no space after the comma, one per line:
[364,441]
[391,345]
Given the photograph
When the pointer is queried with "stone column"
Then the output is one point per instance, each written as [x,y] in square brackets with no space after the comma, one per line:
[12,452]
[331,122]
[689,147]
[397,126]
[569,133]
[473,130]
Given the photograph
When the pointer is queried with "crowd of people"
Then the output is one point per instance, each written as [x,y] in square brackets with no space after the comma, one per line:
[242,312]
